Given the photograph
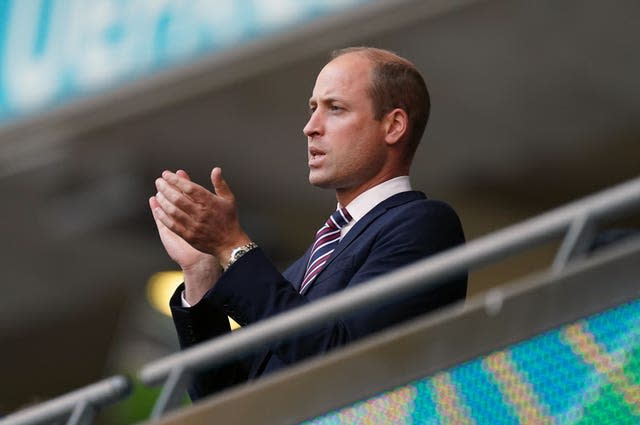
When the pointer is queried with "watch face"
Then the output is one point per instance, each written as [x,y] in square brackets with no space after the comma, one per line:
[238,252]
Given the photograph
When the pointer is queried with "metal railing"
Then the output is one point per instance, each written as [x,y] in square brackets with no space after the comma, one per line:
[576,220]
[78,407]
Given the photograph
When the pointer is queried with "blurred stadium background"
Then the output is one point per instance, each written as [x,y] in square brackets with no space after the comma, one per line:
[534,104]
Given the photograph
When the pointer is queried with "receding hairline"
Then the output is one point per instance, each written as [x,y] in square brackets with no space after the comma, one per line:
[373,54]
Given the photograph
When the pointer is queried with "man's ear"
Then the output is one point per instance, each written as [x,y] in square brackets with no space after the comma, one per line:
[396,125]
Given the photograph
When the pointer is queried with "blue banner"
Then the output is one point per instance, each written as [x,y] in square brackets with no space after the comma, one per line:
[52,51]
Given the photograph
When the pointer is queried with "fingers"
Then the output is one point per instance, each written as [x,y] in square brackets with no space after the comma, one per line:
[220,185]
[156,211]
[172,194]
[153,203]
[205,220]
[183,174]
[171,214]
[179,204]
[155,206]
[182,184]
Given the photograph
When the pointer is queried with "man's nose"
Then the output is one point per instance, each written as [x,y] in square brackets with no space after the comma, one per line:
[313,126]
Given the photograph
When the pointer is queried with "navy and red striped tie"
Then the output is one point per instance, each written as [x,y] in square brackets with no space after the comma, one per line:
[327,239]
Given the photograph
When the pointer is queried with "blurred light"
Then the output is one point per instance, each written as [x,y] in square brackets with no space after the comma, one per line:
[161,287]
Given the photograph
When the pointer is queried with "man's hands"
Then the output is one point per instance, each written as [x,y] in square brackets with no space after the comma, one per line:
[198,228]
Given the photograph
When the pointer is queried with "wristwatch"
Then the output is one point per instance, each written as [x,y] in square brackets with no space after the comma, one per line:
[239,252]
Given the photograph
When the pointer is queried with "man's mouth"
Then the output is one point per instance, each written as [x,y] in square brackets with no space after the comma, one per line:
[315,154]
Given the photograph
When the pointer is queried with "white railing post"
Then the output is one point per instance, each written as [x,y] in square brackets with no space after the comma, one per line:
[172,392]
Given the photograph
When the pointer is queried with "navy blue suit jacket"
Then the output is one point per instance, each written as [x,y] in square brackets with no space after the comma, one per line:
[400,230]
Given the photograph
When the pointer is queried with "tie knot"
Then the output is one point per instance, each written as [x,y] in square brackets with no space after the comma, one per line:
[339,219]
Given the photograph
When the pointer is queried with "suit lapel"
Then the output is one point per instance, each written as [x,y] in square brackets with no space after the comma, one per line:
[371,216]
[296,271]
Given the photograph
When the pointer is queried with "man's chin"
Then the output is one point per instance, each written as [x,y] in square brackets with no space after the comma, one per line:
[318,181]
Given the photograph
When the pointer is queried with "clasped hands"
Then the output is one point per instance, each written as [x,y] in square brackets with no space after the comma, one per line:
[197,227]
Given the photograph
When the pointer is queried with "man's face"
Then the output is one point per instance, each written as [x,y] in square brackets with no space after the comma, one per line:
[346,146]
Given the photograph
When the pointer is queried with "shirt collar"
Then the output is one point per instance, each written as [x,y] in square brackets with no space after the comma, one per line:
[368,199]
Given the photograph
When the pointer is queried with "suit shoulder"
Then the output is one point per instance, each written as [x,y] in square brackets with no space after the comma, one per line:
[426,217]
[424,207]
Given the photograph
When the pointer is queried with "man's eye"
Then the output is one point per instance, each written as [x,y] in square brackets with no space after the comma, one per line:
[336,108]
[312,109]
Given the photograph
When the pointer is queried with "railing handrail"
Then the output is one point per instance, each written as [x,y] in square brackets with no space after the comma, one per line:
[399,283]
[81,403]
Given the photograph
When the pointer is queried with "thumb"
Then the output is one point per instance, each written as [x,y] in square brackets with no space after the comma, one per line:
[220,185]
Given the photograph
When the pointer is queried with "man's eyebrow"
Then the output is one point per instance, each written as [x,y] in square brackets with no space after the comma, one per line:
[329,99]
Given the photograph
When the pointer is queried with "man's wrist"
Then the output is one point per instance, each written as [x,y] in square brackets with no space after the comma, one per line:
[237,253]
[200,278]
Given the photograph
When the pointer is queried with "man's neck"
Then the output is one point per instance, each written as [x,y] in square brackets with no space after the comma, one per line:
[345,196]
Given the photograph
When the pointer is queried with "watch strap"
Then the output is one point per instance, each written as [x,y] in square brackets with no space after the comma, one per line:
[238,252]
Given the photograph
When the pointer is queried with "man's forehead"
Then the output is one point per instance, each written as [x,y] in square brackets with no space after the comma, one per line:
[345,74]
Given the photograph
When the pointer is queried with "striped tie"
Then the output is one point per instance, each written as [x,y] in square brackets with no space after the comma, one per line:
[327,239]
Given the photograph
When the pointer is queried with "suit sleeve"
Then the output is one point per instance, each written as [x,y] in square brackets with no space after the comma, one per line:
[202,322]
